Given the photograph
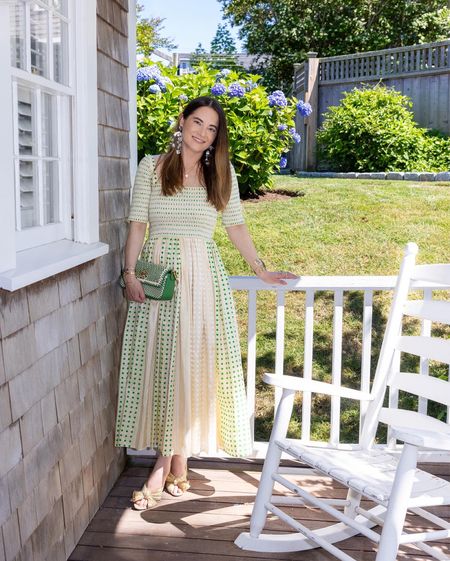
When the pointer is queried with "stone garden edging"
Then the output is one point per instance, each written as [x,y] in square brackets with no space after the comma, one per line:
[392,175]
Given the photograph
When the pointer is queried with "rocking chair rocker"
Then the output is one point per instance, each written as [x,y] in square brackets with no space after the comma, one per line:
[391,481]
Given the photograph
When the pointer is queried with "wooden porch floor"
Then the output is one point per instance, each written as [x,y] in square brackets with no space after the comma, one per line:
[203,525]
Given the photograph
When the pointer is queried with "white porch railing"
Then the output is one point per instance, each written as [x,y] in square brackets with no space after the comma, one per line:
[310,285]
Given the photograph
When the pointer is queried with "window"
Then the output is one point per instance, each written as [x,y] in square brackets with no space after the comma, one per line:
[50,156]
[39,33]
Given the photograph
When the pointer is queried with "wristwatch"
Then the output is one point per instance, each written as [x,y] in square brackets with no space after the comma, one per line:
[258,266]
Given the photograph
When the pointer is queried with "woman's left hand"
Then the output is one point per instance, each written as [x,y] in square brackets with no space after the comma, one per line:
[276,277]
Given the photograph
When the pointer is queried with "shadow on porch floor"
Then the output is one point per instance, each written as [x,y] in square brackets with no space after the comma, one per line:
[203,525]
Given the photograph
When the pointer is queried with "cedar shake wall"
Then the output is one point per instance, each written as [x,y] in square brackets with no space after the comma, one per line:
[59,352]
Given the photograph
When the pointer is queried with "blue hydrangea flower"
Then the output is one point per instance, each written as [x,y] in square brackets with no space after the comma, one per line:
[148,73]
[183,97]
[236,90]
[283,162]
[277,98]
[282,127]
[165,80]
[143,74]
[218,89]
[154,89]
[250,85]
[304,109]
[296,137]
[161,86]
[223,73]
[292,130]
[162,82]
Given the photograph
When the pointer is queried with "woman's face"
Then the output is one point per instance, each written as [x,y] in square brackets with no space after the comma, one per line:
[200,129]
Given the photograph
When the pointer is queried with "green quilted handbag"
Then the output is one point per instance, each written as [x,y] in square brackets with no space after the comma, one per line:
[158,281]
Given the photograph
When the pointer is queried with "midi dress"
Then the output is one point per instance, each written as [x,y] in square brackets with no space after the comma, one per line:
[181,385]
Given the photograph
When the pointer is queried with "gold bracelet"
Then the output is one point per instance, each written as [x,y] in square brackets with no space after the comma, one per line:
[128,272]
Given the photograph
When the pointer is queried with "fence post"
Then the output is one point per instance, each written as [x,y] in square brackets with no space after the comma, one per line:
[312,97]
[297,151]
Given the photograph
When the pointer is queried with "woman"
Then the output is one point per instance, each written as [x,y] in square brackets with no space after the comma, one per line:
[181,387]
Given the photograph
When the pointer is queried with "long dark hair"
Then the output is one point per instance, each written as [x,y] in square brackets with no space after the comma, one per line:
[216,174]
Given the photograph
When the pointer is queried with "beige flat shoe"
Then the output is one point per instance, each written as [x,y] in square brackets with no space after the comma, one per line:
[151,499]
[181,482]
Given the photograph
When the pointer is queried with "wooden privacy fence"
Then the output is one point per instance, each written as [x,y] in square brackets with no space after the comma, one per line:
[422,72]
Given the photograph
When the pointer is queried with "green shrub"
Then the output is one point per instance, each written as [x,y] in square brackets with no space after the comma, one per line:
[436,150]
[261,126]
[373,129]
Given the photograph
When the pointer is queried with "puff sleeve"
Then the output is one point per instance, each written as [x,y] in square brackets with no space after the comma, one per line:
[232,213]
[141,191]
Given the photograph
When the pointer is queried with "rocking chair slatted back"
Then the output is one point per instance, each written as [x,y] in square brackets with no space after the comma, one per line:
[426,347]
[413,419]
[439,273]
[430,310]
[428,387]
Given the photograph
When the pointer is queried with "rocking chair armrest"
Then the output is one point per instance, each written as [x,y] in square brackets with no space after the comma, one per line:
[422,438]
[302,385]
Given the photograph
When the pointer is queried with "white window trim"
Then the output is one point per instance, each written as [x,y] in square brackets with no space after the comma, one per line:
[21,268]
[132,87]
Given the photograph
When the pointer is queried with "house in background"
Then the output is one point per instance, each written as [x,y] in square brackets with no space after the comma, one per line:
[183,61]
[67,159]
[162,57]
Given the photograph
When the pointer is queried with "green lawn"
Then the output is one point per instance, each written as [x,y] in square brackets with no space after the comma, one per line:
[335,227]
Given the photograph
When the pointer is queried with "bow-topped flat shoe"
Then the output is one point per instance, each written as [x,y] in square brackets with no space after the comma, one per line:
[177,486]
[151,498]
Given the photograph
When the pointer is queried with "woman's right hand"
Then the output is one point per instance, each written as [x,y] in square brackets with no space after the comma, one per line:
[133,290]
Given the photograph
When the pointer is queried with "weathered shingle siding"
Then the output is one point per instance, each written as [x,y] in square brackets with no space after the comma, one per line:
[59,352]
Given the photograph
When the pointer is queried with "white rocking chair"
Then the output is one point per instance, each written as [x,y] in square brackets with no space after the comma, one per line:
[390,480]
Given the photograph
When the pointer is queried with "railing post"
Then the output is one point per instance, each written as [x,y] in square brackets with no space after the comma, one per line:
[251,360]
[312,97]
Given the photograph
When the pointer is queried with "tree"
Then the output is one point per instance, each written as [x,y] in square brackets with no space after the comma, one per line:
[148,34]
[223,42]
[433,26]
[285,30]
[199,55]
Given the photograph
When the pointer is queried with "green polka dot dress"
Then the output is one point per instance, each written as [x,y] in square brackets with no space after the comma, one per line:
[181,386]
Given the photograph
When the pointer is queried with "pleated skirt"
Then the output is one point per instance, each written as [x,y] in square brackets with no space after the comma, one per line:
[181,385]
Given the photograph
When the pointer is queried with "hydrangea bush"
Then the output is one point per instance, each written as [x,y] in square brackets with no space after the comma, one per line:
[261,124]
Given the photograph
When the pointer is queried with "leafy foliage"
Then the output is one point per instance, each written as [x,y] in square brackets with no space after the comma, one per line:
[287,29]
[223,42]
[432,26]
[373,129]
[260,130]
[148,34]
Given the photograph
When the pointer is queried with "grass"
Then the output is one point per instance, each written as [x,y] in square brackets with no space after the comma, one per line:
[335,227]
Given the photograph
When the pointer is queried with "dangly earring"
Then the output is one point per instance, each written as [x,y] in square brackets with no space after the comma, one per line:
[207,154]
[177,140]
